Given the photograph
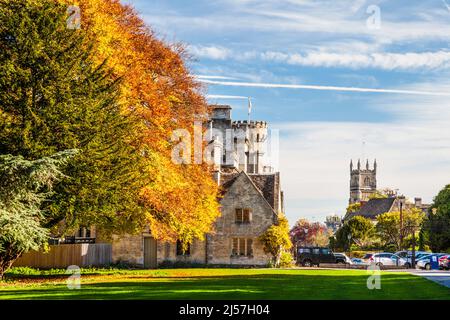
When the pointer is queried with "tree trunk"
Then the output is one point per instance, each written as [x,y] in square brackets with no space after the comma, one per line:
[7,259]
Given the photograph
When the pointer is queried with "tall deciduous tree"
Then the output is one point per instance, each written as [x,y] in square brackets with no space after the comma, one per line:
[54,96]
[390,230]
[437,226]
[361,230]
[180,200]
[24,185]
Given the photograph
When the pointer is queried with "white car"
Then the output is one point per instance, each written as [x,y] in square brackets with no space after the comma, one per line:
[387,259]
[425,261]
[342,258]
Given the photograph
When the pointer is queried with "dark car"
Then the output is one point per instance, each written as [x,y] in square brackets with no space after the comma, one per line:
[310,256]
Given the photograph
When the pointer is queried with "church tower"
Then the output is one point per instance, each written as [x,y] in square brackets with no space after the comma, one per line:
[363,182]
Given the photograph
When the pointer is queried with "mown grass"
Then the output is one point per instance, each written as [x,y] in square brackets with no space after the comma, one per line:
[218,284]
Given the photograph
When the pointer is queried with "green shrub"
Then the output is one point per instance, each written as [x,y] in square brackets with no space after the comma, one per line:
[286,260]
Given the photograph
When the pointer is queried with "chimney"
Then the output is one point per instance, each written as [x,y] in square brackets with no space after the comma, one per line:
[418,202]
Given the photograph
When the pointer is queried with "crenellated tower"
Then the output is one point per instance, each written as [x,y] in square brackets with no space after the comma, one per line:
[363,181]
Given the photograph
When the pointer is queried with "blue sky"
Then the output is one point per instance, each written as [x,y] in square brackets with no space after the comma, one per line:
[264,45]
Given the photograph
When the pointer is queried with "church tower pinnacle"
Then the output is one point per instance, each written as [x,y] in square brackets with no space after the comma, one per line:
[363,182]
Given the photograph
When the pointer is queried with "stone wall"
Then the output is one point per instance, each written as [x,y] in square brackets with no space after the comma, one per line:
[242,194]
[128,249]
[167,252]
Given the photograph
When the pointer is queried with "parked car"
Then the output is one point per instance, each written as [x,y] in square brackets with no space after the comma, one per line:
[386,259]
[446,263]
[310,256]
[342,258]
[418,256]
[367,257]
[357,261]
[425,261]
[443,261]
[406,254]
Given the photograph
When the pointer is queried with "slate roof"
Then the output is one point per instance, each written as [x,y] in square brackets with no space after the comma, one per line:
[373,208]
[267,184]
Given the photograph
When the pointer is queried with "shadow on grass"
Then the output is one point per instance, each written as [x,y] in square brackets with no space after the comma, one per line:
[236,287]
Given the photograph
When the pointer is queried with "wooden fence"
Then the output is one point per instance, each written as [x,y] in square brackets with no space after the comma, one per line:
[64,255]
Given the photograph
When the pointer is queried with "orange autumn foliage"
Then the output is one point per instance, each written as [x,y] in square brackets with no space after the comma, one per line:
[180,200]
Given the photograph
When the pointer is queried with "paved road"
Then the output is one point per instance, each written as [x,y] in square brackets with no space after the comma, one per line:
[441,277]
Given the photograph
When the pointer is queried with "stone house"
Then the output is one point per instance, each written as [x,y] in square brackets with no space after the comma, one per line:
[250,203]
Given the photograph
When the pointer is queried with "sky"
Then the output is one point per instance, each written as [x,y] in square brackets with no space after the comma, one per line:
[341,80]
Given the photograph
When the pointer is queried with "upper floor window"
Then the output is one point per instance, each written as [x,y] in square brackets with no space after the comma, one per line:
[367,181]
[183,251]
[243,215]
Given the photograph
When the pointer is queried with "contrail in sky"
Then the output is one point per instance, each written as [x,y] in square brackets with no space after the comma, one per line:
[219,96]
[323,88]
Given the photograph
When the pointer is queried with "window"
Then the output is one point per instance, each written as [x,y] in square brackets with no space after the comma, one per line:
[180,251]
[316,251]
[243,216]
[304,250]
[325,251]
[83,232]
[242,247]
[367,181]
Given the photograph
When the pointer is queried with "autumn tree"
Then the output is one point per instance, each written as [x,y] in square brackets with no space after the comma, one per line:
[53,97]
[117,93]
[24,185]
[276,239]
[180,201]
[305,233]
[391,231]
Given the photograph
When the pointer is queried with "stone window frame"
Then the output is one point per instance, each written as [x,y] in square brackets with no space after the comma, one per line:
[242,247]
[243,215]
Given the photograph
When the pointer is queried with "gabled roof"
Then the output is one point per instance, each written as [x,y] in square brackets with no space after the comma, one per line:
[373,208]
[266,184]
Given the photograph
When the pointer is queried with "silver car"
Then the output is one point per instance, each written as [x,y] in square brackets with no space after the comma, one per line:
[387,259]
[425,261]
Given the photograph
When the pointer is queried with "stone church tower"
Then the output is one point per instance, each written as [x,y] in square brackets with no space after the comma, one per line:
[363,182]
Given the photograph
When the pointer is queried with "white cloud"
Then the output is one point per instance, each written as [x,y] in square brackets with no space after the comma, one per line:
[386,61]
[210,52]
[342,55]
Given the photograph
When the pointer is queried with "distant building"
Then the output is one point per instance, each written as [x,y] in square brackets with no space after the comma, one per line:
[333,222]
[363,188]
[363,182]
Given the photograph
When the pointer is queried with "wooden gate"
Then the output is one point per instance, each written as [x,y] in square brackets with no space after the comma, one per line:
[150,253]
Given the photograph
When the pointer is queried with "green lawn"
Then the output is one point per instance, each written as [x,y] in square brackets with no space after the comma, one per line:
[220,284]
